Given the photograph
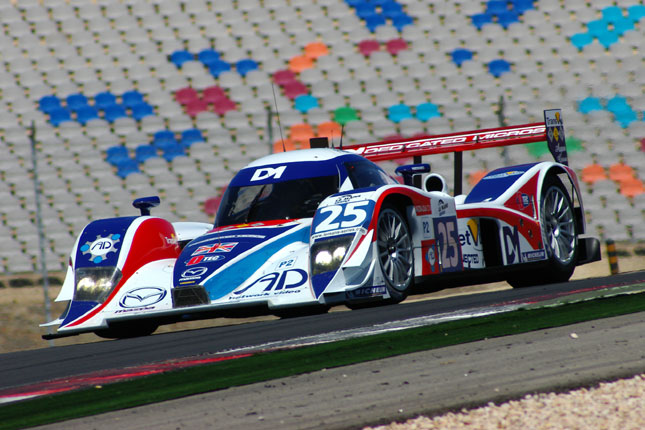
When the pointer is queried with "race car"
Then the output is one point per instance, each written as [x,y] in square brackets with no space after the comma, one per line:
[301,231]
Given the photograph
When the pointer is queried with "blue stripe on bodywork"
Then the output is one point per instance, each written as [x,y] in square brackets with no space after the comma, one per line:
[236,274]
[78,309]
[495,183]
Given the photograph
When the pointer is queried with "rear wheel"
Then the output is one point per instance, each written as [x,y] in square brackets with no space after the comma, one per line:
[395,254]
[559,235]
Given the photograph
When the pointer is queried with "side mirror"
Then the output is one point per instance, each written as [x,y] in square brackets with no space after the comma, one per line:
[145,203]
[410,170]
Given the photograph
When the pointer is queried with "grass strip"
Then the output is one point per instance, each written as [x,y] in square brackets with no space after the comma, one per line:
[278,364]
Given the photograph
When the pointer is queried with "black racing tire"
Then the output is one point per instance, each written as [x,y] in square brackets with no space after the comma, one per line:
[123,331]
[559,235]
[395,253]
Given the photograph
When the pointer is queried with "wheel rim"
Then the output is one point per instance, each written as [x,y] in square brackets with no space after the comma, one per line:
[394,249]
[558,226]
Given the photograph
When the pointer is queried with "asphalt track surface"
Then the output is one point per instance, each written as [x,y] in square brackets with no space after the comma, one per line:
[379,391]
[33,366]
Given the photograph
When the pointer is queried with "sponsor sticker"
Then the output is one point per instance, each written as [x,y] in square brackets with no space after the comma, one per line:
[143,297]
[217,247]
[363,292]
[193,273]
[504,174]
[536,255]
[101,247]
[203,259]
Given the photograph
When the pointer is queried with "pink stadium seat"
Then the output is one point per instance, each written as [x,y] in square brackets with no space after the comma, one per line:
[196,106]
[366,47]
[213,94]
[395,46]
[186,95]
[282,77]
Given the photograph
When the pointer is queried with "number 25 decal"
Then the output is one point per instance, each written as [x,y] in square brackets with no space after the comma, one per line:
[343,216]
[447,238]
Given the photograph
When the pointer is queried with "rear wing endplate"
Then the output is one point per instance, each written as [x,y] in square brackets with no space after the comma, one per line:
[552,131]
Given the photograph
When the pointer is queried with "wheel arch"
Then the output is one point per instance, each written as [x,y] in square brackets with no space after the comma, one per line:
[570,183]
[400,202]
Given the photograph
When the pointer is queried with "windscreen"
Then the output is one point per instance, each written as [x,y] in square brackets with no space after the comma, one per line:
[275,201]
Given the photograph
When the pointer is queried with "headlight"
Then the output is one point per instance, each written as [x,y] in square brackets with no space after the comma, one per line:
[328,254]
[94,284]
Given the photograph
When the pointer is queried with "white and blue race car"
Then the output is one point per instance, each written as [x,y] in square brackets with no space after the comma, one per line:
[304,230]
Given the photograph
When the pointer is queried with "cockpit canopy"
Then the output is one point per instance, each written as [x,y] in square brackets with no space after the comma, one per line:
[292,188]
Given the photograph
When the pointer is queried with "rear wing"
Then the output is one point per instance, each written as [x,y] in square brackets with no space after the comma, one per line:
[551,130]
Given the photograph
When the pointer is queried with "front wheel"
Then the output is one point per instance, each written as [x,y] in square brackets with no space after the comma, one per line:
[395,253]
[127,331]
[559,235]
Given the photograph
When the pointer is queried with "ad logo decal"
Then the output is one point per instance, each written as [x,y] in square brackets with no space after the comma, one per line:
[101,247]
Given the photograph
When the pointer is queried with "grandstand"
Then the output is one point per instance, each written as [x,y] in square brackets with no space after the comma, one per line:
[171,97]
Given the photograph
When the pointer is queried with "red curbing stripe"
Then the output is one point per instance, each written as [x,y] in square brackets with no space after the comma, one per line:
[103,377]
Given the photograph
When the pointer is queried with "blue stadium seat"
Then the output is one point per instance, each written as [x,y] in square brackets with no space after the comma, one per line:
[618,104]
[245,66]
[171,152]
[391,9]
[374,21]
[59,116]
[622,25]
[142,110]
[131,98]
[126,167]
[624,118]
[178,58]
[460,55]
[521,6]
[305,102]
[499,67]
[597,27]
[190,136]
[218,67]
[580,40]
[608,38]
[481,19]
[589,104]
[145,152]
[507,18]
[612,14]
[636,12]
[104,99]
[208,56]
[399,21]
[76,101]
[397,113]
[365,10]
[116,154]
[48,104]
[86,113]
[495,7]
[114,112]
[427,111]
[163,139]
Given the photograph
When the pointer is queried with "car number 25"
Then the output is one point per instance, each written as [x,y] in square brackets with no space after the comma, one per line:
[447,237]
[348,215]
